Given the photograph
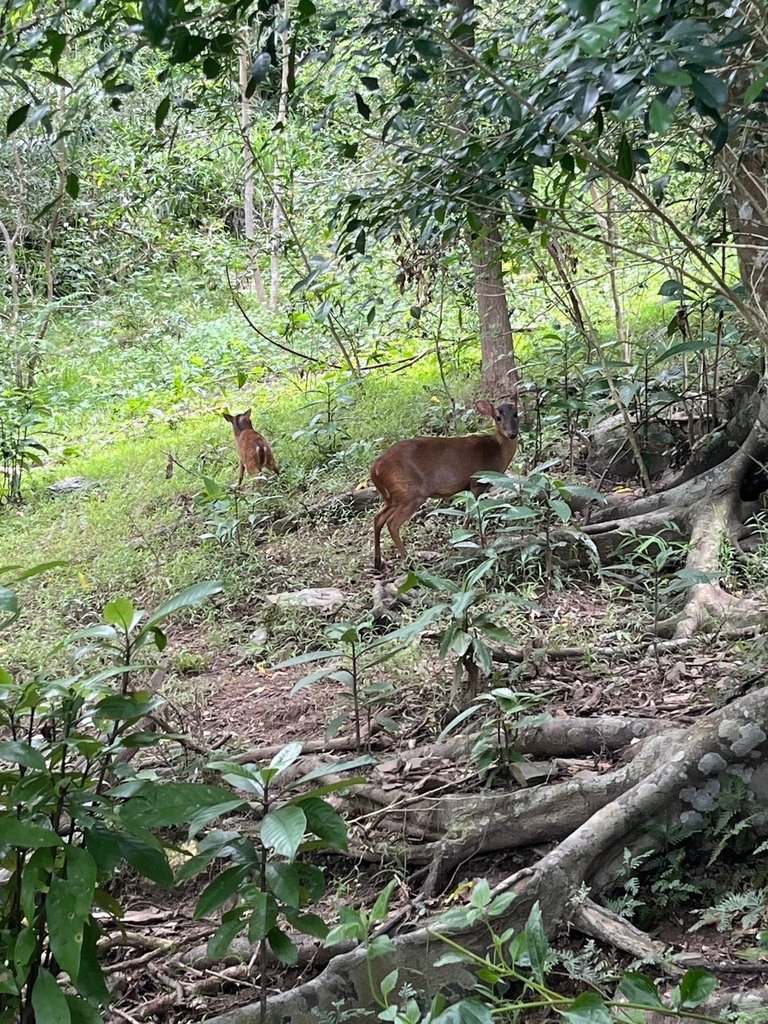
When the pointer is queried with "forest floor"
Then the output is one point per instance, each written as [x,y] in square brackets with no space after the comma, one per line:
[238,702]
[143,534]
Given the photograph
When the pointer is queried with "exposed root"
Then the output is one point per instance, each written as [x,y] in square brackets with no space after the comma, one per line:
[682,773]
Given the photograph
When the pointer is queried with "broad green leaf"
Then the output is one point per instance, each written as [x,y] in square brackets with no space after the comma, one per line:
[156,18]
[754,90]
[625,161]
[72,185]
[350,931]
[162,112]
[263,916]
[171,803]
[232,924]
[710,90]
[81,875]
[147,857]
[481,894]
[466,1011]
[83,1012]
[9,605]
[463,600]
[283,830]
[311,924]
[121,612]
[48,1000]
[117,708]
[24,949]
[65,925]
[29,837]
[325,822]
[284,883]
[90,979]
[284,949]
[24,754]
[189,598]
[17,118]
[588,1008]
[221,889]
[639,989]
[381,906]
[696,986]
[659,117]
[286,757]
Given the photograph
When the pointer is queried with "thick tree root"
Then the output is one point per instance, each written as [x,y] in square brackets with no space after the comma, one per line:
[686,774]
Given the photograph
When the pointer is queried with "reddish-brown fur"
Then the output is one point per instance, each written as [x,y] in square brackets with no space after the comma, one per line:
[438,467]
[253,449]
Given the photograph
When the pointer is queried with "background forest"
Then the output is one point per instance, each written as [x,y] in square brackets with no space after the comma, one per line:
[357,222]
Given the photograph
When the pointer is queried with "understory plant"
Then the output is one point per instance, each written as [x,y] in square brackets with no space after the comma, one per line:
[356,652]
[23,419]
[466,622]
[67,787]
[270,876]
[513,977]
[531,518]
[504,712]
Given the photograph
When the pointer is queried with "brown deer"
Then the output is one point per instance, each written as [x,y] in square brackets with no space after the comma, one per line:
[253,449]
[438,467]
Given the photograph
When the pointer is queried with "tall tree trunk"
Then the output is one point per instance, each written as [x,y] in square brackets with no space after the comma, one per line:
[499,373]
[277,184]
[746,201]
[255,278]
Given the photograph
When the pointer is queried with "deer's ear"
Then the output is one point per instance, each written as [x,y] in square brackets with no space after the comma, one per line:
[245,415]
[228,418]
[486,408]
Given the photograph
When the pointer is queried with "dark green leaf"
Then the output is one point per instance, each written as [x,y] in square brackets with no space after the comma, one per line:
[156,18]
[284,949]
[284,883]
[221,889]
[639,989]
[147,857]
[659,117]
[22,754]
[625,162]
[162,112]
[65,925]
[17,118]
[72,185]
[325,822]
[362,107]
[711,91]
[158,806]
[28,837]
[219,942]
[466,1011]
[263,916]
[189,598]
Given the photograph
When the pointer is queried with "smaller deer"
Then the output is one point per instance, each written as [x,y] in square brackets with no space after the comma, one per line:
[438,467]
[253,449]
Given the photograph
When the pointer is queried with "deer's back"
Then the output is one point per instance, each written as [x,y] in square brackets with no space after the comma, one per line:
[437,467]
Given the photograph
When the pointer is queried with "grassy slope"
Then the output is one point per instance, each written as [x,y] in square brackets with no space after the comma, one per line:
[120,407]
